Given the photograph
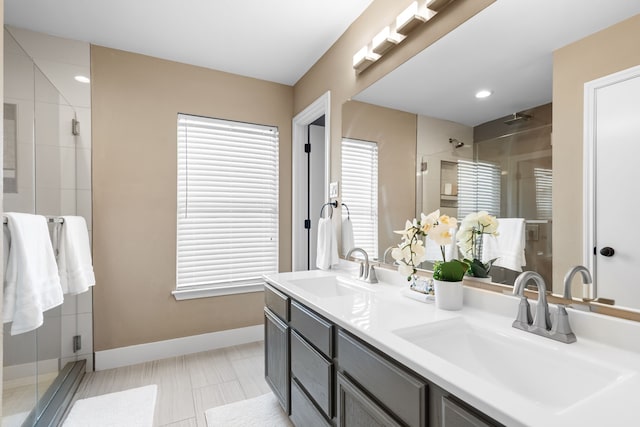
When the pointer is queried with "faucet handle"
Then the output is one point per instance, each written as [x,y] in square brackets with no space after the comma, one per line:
[561,330]
[371,275]
[361,273]
[523,319]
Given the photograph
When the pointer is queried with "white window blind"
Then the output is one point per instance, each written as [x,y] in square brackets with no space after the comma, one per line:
[544,181]
[478,188]
[227,234]
[360,192]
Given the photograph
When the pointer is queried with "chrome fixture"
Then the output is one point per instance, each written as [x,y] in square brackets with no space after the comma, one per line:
[541,324]
[456,143]
[586,279]
[367,273]
[387,252]
[517,118]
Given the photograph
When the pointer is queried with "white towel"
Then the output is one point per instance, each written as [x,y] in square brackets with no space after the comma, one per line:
[327,253]
[31,282]
[347,236]
[433,252]
[508,246]
[71,239]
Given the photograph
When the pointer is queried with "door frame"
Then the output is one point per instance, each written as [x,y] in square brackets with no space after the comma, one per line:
[589,197]
[318,108]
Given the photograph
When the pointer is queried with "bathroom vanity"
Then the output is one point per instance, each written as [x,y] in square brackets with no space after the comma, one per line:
[344,353]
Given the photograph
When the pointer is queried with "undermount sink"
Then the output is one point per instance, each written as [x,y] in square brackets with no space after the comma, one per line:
[330,286]
[543,373]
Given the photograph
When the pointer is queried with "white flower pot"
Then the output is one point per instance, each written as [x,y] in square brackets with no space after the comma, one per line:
[448,295]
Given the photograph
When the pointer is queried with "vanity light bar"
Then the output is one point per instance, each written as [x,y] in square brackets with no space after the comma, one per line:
[416,14]
[364,58]
[412,17]
[385,40]
[437,5]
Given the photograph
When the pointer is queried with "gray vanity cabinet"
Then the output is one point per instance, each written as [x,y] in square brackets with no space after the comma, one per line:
[401,393]
[312,368]
[356,409]
[276,337]
[455,414]
[325,377]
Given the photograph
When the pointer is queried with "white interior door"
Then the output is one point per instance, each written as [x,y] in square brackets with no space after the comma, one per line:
[617,177]
[316,188]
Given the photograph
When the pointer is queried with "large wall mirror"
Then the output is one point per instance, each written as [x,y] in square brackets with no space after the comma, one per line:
[433,133]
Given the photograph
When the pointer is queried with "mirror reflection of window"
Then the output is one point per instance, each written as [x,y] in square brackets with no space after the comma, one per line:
[543,179]
[10,148]
[478,188]
[360,192]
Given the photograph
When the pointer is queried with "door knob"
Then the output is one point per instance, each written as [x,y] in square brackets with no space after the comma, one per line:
[607,251]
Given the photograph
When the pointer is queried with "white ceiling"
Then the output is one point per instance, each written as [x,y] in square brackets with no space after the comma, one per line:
[506,48]
[271,40]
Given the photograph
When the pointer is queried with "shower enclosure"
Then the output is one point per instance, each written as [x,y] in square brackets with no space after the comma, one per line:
[506,171]
[40,367]
[519,148]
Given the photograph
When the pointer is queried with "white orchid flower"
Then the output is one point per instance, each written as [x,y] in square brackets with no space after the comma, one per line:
[441,234]
[431,219]
[405,270]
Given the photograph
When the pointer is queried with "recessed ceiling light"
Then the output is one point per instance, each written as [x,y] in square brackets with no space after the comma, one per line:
[483,93]
[82,79]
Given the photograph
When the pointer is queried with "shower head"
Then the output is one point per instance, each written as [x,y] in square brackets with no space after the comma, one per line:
[517,118]
[456,143]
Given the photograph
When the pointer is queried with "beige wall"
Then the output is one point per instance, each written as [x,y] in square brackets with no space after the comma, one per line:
[434,147]
[613,49]
[395,133]
[135,102]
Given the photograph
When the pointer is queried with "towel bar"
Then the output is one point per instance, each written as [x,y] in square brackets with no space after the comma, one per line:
[54,219]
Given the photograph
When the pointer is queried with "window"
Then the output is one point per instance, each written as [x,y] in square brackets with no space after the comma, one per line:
[227,228]
[360,192]
[544,179]
[478,188]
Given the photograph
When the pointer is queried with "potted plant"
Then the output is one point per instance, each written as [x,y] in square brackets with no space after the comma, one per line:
[470,238]
[447,275]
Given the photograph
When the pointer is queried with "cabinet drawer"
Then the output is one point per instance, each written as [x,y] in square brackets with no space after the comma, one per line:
[276,357]
[455,415]
[313,372]
[303,413]
[402,393]
[277,302]
[316,330]
[356,409]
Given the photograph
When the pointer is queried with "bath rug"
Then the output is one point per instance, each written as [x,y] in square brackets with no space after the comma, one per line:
[264,411]
[133,407]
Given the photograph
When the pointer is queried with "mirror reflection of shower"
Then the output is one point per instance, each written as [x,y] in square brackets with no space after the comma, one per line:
[518,147]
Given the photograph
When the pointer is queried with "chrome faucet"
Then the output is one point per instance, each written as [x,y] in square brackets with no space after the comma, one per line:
[586,279]
[541,324]
[386,252]
[367,272]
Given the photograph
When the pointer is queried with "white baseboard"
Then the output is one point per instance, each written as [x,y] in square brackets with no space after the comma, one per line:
[125,356]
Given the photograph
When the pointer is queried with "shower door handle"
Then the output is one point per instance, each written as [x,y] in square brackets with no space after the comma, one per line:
[607,251]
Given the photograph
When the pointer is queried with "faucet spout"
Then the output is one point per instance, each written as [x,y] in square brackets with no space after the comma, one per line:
[541,324]
[542,319]
[586,279]
[367,272]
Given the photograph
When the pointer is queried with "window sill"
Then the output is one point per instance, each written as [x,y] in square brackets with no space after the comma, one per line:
[206,292]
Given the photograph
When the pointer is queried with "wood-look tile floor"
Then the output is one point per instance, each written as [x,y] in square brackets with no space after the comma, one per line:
[188,385]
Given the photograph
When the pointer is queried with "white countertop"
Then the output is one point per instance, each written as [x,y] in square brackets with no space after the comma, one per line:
[608,344]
